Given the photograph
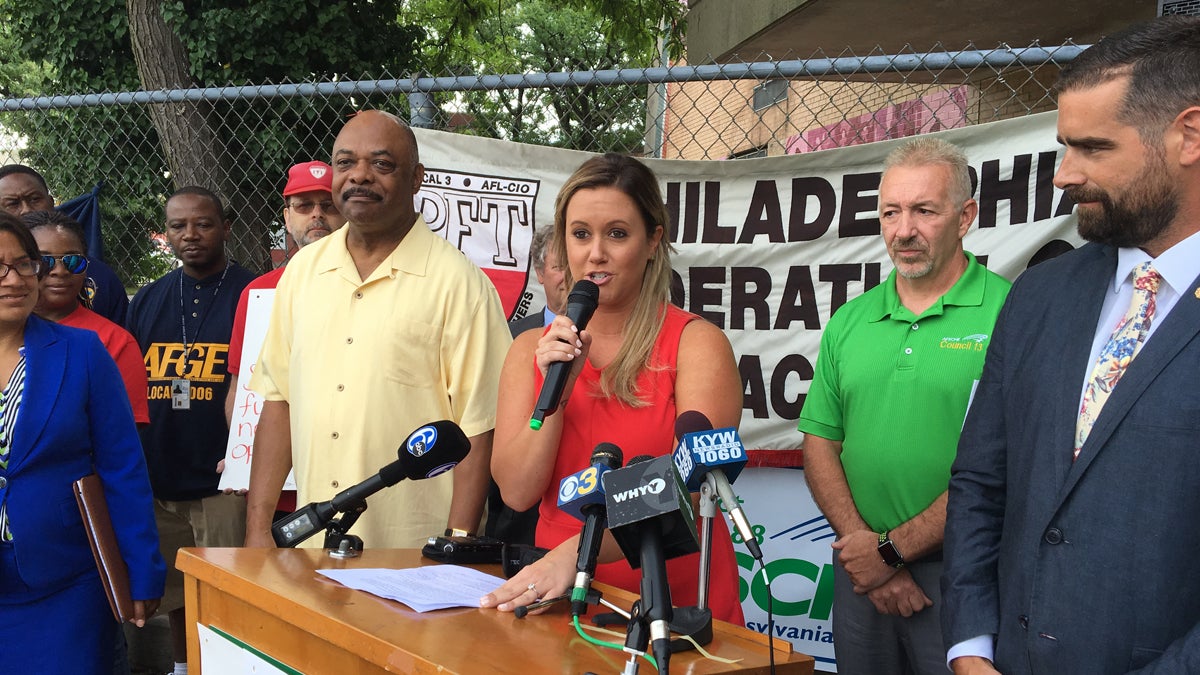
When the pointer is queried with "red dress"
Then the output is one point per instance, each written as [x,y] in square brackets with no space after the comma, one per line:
[637,431]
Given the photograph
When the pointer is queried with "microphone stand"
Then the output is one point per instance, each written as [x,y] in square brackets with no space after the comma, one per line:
[696,622]
[339,543]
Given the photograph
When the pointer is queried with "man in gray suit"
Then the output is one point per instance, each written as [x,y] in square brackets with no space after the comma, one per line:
[1068,536]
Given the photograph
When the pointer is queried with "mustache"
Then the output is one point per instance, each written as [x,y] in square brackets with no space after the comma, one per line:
[910,244]
[1080,194]
[360,192]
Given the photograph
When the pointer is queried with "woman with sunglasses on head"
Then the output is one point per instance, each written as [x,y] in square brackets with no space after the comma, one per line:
[64,299]
[63,415]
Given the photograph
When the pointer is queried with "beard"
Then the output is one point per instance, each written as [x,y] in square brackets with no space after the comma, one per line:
[916,270]
[1137,216]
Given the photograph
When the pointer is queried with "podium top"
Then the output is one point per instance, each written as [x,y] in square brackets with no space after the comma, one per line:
[274,600]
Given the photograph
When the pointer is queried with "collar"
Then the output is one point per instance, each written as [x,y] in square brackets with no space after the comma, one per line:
[1178,265]
[411,255]
[966,292]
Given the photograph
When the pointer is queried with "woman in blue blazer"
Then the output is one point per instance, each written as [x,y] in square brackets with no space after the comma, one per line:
[64,414]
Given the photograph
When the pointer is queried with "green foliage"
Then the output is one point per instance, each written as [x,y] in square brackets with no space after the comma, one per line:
[73,46]
[545,36]
[69,46]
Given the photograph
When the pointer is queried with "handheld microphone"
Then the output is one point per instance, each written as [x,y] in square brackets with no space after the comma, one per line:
[581,303]
[718,454]
[582,496]
[650,515]
[430,450]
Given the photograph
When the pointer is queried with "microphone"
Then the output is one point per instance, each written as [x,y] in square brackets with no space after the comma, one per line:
[582,496]
[430,450]
[650,515]
[581,303]
[705,453]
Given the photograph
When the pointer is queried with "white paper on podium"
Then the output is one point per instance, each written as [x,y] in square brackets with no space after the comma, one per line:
[247,405]
[421,588]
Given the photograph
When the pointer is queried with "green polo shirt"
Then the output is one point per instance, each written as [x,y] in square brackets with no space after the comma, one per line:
[893,388]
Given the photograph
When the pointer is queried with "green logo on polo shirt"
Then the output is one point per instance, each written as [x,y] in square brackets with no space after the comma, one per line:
[972,343]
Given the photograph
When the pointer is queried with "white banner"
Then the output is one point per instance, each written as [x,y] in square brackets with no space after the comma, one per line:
[767,248]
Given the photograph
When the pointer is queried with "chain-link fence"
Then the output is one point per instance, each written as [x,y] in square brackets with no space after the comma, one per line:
[243,139]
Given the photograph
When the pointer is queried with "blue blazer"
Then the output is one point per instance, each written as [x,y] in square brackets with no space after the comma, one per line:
[75,417]
[1087,566]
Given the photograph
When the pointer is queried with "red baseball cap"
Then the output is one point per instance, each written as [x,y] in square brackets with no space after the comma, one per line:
[309,176]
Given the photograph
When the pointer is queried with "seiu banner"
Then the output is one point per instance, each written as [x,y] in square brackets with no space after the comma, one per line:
[767,249]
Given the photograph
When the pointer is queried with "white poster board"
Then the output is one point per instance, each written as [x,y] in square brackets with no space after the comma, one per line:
[247,405]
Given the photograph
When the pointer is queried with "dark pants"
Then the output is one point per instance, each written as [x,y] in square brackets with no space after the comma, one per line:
[866,642]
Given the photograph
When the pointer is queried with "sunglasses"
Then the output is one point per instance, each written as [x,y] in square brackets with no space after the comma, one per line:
[73,262]
[305,208]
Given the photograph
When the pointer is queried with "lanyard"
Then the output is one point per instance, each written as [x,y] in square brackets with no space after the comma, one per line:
[183,311]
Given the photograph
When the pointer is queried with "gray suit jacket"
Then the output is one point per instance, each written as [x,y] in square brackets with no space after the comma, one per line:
[1087,566]
[532,320]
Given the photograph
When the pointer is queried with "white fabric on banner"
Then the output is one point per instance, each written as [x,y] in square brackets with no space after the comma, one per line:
[766,248]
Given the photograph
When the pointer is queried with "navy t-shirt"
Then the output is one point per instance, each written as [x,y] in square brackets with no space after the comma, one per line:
[183,446]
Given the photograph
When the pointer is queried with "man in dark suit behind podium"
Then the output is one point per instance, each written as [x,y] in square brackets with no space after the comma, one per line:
[517,527]
[1068,538]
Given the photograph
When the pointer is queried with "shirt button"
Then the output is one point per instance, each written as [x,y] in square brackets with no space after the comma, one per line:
[197,286]
[333,483]
[915,326]
[908,350]
[358,295]
[196,301]
[194,315]
[3,482]
[341,387]
[334,435]
[350,341]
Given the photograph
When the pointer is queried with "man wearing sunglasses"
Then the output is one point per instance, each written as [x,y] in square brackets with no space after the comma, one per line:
[23,190]
[308,215]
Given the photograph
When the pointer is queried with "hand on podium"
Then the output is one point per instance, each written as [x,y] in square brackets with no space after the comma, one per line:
[549,577]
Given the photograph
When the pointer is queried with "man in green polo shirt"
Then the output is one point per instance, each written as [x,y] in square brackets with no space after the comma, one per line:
[883,414]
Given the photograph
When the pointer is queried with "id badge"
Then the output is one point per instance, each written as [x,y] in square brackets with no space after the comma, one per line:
[181,394]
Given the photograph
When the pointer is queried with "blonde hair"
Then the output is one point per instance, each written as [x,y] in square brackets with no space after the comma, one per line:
[637,181]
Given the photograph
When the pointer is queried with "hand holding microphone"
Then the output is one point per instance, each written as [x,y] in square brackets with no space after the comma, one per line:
[581,303]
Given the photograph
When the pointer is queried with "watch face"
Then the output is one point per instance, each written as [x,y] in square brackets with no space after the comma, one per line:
[887,550]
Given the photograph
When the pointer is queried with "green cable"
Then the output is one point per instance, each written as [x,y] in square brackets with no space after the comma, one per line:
[611,645]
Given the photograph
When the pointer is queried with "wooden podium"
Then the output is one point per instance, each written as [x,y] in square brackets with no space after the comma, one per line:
[274,601]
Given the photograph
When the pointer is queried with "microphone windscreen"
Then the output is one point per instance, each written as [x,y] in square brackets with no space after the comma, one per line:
[433,449]
[691,421]
[584,292]
[607,454]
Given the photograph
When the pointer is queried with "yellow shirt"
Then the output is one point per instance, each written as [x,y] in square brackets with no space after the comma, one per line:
[363,364]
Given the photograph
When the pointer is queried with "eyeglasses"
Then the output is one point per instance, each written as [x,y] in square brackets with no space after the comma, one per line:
[73,262]
[24,268]
[305,208]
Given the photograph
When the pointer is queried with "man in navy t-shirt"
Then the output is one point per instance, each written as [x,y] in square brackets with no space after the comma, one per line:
[182,323]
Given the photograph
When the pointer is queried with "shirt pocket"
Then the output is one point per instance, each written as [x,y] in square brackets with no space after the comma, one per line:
[412,354]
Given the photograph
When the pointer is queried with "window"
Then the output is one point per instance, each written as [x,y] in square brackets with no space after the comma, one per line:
[751,153]
[769,93]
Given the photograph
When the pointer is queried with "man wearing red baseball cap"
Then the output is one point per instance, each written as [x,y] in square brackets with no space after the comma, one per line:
[308,210]
[308,214]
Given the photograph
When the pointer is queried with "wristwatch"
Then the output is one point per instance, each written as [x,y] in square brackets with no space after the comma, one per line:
[887,551]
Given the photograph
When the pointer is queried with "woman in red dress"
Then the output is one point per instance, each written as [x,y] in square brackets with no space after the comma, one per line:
[638,364]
